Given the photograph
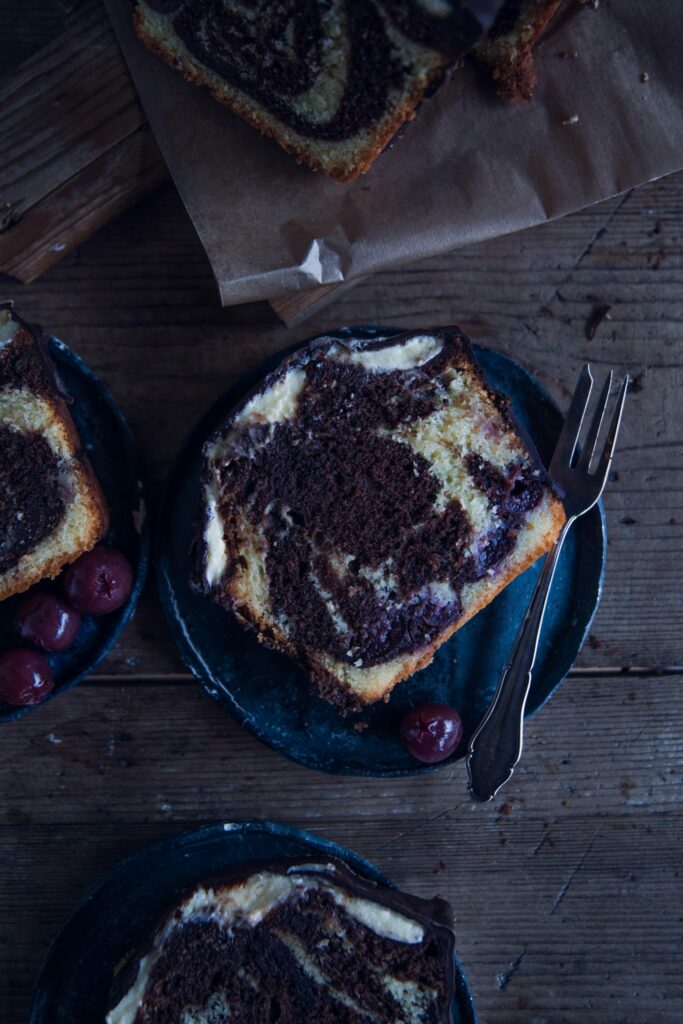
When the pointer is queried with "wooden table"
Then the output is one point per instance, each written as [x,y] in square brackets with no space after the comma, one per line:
[567,890]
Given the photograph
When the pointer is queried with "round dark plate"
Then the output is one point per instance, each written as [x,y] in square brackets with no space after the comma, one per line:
[107,439]
[266,691]
[74,982]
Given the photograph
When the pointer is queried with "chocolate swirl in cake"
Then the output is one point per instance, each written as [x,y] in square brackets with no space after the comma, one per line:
[30,509]
[354,519]
[277,53]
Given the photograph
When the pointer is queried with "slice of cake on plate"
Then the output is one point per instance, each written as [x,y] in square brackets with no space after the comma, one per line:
[366,501]
[51,506]
[294,944]
[331,81]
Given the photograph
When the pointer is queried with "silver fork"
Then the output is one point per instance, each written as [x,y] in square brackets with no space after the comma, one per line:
[496,746]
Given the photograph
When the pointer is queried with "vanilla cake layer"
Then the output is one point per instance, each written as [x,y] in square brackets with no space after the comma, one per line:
[51,506]
[365,502]
[331,80]
[293,943]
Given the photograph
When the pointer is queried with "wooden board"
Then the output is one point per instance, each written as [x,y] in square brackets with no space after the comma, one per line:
[145,318]
[567,888]
[77,149]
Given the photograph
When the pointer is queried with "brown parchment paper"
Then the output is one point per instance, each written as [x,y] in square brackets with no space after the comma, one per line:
[470,167]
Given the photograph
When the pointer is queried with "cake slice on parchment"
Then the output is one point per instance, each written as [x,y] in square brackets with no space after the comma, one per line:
[507,50]
[51,506]
[364,503]
[332,81]
[293,943]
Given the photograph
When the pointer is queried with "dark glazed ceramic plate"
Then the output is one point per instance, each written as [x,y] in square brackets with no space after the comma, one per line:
[268,694]
[73,985]
[107,439]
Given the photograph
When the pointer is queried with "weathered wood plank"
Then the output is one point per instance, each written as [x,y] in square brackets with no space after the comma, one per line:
[126,752]
[73,211]
[144,315]
[76,146]
[62,109]
[575,868]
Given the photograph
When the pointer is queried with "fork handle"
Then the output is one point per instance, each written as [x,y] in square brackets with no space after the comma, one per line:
[496,746]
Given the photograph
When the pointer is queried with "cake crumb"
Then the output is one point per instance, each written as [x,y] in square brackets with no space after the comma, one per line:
[644,77]
[360,726]
[574,119]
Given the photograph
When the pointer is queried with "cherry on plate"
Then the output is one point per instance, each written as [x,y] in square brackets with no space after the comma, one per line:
[25,677]
[99,582]
[47,621]
[431,732]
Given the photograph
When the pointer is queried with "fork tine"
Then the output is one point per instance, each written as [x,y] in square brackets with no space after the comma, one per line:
[564,450]
[596,423]
[603,466]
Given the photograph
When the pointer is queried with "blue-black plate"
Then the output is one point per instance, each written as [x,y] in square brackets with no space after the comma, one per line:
[74,982]
[107,439]
[268,694]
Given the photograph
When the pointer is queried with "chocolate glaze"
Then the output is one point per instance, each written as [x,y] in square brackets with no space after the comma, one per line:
[325,482]
[200,958]
[30,506]
[277,56]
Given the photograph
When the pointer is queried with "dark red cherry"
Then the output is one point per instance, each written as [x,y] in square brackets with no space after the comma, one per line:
[25,677]
[99,582]
[431,732]
[47,621]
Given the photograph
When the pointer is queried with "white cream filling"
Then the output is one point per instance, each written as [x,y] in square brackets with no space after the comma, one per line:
[404,356]
[338,620]
[411,997]
[321,103]
[124,1012]
[274,405]
[314,972]
[214,540]
[249,902]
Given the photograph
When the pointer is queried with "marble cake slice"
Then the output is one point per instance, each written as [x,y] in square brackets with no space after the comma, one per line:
[51,506]
[293,943]
[364,503]
[332,81]
[507,50]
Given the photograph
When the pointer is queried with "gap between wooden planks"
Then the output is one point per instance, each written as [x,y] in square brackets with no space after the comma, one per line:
[573,870]
[137,302]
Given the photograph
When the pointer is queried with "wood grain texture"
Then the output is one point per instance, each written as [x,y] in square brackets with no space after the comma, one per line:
[567,888]
[138,303]
[76,146]
[573,874]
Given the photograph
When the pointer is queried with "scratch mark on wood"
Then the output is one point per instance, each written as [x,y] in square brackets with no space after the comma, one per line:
[544,840]
[503,978]
[574,872]
[417,828]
